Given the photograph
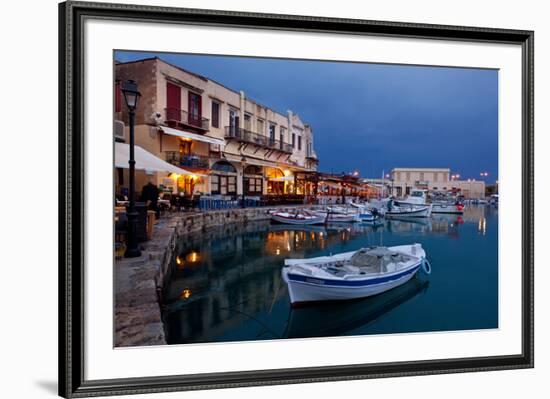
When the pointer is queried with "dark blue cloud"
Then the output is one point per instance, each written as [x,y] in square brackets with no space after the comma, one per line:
[372,117]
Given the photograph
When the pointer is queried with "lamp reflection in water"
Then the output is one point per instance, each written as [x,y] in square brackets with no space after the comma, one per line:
[185,294]
[482,226]
[188,259]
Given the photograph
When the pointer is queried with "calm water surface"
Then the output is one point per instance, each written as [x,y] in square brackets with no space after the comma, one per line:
[225,285]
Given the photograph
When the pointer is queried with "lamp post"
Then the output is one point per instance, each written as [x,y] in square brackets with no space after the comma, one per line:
[131,97]
[243,164]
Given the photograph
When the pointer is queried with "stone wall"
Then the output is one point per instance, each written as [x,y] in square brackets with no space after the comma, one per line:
[138,281]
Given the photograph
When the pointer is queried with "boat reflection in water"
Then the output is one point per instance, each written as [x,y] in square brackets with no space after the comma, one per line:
[225,284]
[342,318]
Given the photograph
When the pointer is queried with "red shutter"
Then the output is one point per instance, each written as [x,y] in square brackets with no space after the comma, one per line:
[173,102]
[118,97]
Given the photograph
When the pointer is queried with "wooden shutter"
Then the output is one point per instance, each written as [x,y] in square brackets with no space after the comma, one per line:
[118,97]
[173,102]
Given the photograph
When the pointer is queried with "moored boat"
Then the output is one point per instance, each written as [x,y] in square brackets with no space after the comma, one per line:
[352,275]
[410,211]
[448,207]
[339,215]
[297,218]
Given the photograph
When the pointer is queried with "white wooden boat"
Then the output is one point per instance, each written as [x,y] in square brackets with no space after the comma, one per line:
[352,275]
[369,215]
[448,207]
[409,211]
[340,215]
[297,218]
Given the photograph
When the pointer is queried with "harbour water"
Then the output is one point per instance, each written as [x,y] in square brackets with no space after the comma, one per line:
[225,284]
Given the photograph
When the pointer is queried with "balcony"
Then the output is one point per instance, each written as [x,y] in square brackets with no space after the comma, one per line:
[246,136]
[178,117]
[312,156]
[187,160]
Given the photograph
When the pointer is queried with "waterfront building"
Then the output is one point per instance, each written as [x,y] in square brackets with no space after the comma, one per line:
[403,180]
[229,143]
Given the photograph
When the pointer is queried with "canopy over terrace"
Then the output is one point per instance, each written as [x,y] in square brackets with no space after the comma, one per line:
[193,136]
[145,161]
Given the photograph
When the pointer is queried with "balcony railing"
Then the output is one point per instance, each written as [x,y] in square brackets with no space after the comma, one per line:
[246,136]
[181,117]
[187,160]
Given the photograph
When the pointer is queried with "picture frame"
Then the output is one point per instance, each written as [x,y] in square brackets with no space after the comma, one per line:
[72,267]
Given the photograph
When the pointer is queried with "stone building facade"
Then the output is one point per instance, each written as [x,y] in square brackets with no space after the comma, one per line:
[231,143]
[403,180]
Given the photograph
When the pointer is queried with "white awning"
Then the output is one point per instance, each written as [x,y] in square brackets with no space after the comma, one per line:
[248,160]
[283,178]
[192,136]
[145,161]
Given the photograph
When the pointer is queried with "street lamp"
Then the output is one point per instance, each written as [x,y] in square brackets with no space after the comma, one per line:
[243,164]
[131,97]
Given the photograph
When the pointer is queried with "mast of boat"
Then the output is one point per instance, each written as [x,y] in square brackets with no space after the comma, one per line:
[383,183]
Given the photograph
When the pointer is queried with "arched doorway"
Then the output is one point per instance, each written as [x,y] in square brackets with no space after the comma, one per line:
[274,186]
[253,180]
[223,179]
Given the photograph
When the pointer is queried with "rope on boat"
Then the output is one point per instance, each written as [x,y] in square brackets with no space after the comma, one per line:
[426,266]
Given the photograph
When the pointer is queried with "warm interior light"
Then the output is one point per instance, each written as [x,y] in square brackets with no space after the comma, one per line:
[193,257]
[185,294]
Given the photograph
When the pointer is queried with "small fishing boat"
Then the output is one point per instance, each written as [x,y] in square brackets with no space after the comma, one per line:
[369,215]
[448,207]
[352,275]
[297,218]
[409,211]
[339,215]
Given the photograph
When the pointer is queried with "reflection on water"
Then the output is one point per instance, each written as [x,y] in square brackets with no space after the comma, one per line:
[225,284]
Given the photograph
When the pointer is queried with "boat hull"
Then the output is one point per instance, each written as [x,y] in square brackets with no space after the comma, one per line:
[449,209]
[304,289]
[422,212]
[297,221]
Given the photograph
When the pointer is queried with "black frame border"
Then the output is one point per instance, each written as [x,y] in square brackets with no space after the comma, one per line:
[71,196]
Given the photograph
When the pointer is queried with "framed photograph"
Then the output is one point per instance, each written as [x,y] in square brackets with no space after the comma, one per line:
[253,199]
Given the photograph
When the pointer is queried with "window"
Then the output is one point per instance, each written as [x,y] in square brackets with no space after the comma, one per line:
[282,133]
[254,186]
[215,184]
[247,122]
[299,143]
[261,126]
[293,140]
[271,134]
[194,109]
[215,114]
[253,180]
[231,184]
[233,123]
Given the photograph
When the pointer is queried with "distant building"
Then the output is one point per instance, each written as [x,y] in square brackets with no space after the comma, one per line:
[231,143]
[403,180]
